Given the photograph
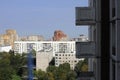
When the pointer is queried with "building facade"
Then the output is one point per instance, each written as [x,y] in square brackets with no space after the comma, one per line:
[8,38]
[32,38]
[46,46]
[61,58]
[43,59]
[5,48]
[62,51]
[104,31]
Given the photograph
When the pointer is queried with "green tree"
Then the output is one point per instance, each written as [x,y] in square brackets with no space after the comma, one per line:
[51,68]
[40,74]
[81,66]
[5,68]
[10,64]
[33,52]
[16,77]
[71,75]
[65,67]
[62,71]
[49,76]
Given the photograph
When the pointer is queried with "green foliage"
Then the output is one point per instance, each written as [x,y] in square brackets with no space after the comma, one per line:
[51,68]
[33,52]
[10,65]
[71,75]
[49,76]
[65,67]
[81,66]
[40,74]
[6,72]
[15,77]
[63,72]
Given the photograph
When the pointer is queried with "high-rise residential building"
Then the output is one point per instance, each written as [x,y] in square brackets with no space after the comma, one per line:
[104,20]
[35,38]
[1,40]
[55,46]
[60,36]
[8,38]
[32,38]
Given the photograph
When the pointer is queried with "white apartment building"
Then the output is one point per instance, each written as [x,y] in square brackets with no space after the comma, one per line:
[5,48]
[61,58]
[46,46]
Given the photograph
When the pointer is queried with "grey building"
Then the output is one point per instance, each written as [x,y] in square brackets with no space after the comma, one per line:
[104,20]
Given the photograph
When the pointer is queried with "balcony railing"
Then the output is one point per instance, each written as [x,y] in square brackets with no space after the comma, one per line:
[85,49]
[85,16]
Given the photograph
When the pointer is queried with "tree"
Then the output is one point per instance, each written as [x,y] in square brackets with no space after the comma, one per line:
[62,71]
[49,76]
[51,68]
[81,66]
[10,64]
[65,67]
[71,75]
[16,77]
[40,74]
[33,52]
[5,68]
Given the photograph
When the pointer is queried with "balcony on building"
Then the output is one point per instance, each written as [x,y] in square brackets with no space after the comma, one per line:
[85,16]
[85,49]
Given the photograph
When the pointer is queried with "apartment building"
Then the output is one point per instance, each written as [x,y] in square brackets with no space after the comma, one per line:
[46,46]
[5,48]
[32,38]
[8,38]
[62,51]
[61,58]
[104,20]
[43,59]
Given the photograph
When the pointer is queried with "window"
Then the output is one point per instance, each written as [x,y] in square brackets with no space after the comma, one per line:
[113,70]
[113,38]
[75,61]
[56,64]
[56,54]
[62,47]
[113,8]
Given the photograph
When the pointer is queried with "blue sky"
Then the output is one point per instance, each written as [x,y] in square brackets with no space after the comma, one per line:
[41,17]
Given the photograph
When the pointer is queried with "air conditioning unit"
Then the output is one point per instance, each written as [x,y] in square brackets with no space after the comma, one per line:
[85,16]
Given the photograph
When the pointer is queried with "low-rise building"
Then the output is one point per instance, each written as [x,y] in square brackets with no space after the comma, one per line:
[5,48]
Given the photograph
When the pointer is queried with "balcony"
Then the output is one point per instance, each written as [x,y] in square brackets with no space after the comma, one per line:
[85,16]
[85,49]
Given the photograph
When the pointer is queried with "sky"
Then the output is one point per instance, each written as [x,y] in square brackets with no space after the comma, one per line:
[41,17]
